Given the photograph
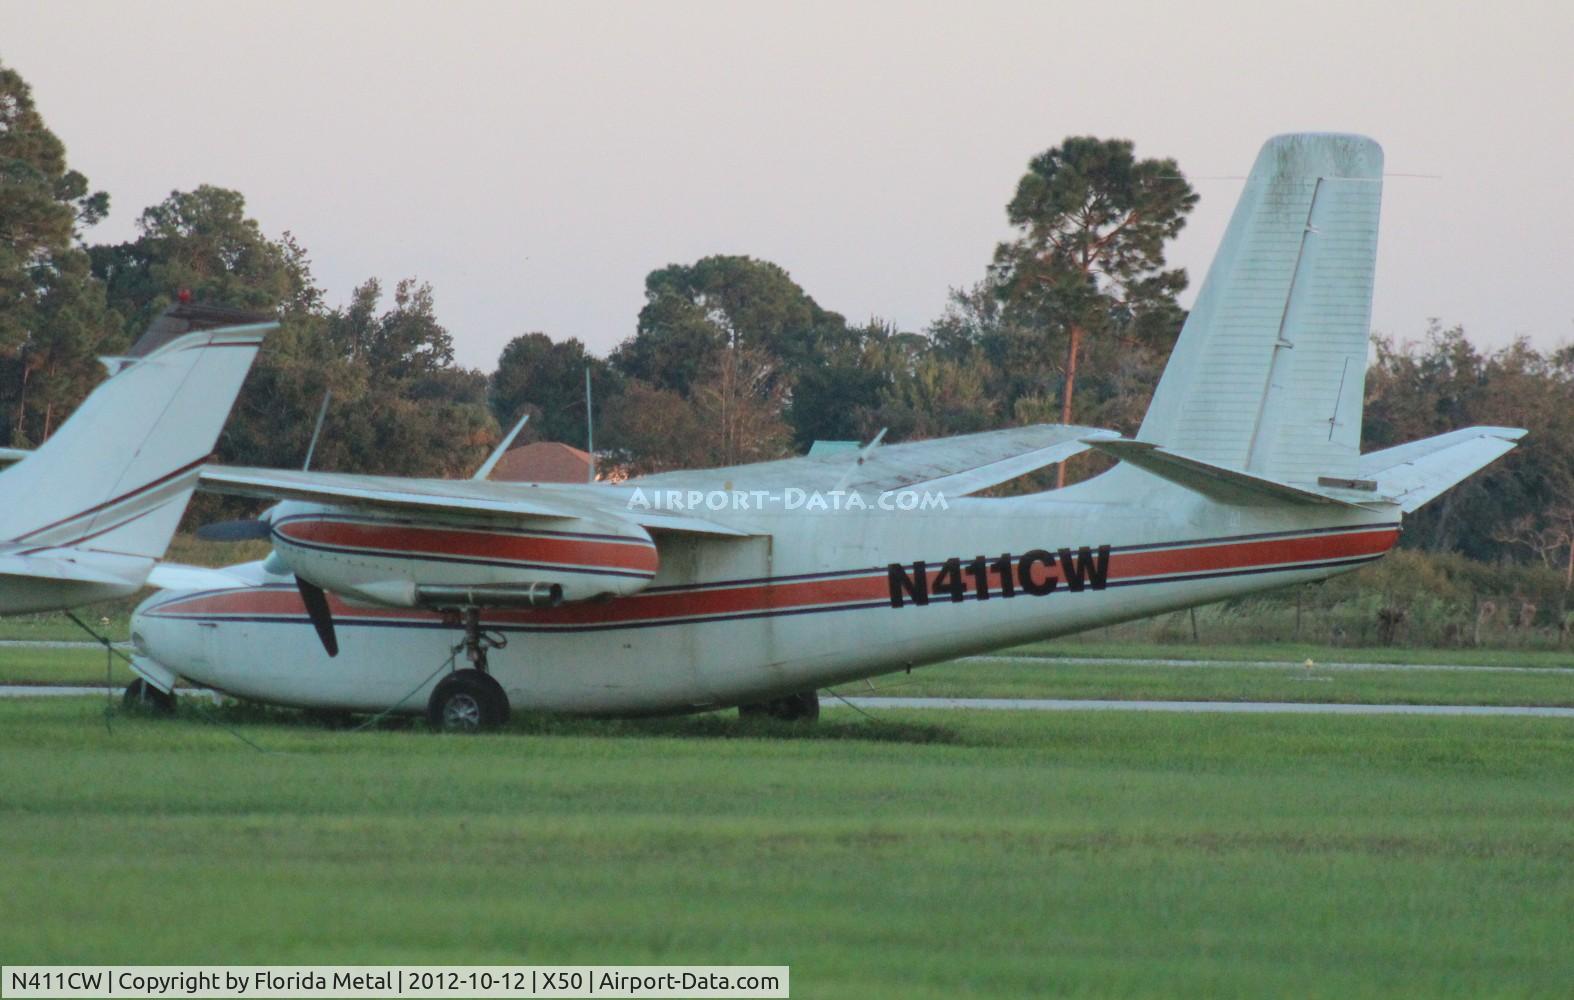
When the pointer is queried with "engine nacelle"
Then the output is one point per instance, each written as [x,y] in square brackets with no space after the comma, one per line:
[444,561]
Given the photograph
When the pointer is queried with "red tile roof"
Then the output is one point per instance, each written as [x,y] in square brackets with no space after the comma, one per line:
[543,462]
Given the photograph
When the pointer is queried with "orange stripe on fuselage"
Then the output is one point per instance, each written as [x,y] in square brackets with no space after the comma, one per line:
[767,596]
[1245,555]
[633,555]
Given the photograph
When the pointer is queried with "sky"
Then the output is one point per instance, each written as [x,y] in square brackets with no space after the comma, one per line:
[535,161]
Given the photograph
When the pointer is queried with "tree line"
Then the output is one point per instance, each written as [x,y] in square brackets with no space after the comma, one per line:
[730,360]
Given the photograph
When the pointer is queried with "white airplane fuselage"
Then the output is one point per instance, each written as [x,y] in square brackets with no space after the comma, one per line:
[1246,474]
[815,599]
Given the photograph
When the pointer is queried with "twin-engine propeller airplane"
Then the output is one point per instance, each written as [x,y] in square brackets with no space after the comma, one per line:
[87,515]
[698,590]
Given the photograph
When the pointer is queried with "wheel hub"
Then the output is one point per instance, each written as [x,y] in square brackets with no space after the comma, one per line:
[462,712]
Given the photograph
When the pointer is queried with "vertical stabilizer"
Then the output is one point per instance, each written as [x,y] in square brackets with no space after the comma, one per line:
[116,476]
[1269,371]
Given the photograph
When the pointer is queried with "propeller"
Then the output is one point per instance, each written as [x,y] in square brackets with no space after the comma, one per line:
[245,529]
[317,610]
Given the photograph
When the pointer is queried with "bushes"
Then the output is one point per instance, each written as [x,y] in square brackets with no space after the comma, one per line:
[1410,598]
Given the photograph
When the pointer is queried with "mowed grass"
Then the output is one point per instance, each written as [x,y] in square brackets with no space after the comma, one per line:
[42,665]
[1090,645]
[1037,677]
[1034,677]
[964,854]
[59,628]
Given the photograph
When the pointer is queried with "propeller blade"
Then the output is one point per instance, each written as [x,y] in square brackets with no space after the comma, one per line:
[244,530]
[317,609]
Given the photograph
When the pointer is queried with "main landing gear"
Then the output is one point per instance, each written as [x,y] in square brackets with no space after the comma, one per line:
[470,700]
[467,701]
[801,707]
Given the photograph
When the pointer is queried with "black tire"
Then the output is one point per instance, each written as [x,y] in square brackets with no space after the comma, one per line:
[467,701]
[144,698]
[801,707]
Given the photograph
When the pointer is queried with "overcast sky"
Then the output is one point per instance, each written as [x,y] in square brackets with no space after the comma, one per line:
[534,162]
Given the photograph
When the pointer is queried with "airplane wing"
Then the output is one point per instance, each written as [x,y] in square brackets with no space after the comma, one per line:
[956,466]
[982,477]
[467,495]
[462,496]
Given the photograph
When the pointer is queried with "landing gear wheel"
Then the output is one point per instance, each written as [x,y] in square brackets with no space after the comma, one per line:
[801,707]
[467,701]
[144,698]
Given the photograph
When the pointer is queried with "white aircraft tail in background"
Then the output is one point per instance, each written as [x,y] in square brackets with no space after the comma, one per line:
[87,515]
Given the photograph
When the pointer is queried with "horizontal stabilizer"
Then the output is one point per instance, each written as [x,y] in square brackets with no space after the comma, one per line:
[1230,486]
[1415,473]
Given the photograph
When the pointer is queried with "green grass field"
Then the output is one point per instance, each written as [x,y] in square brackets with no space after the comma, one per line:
[27,665]
[57,628]
[1025,677]
[1090,644]
[1040,677]
[964,854]
[918,855]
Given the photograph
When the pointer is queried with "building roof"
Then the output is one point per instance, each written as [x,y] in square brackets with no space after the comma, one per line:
[543,462]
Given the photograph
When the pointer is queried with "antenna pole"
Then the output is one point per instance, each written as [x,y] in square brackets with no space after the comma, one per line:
[311,449]
[590,430]
[502,449]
